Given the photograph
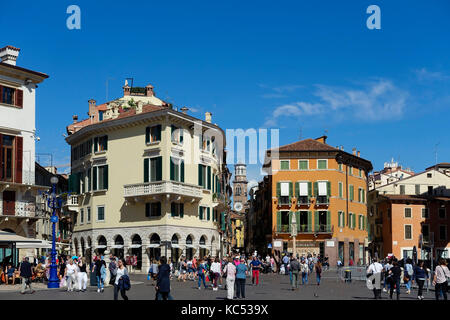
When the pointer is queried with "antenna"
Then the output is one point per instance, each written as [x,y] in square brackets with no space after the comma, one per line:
[107,86]
[435,152]
[300,135]
[131,81]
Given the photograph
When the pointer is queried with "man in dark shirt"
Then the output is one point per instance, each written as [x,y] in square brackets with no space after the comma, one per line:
[395,273]
[26,274]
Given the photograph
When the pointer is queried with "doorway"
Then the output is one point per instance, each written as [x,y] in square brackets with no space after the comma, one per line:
[9,203]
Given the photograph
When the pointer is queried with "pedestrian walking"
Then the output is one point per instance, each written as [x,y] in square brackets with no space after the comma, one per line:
[295,269]
[395,273]
[241,275]
[100,273]
[201,271]
[441,275]
[285,263]
[305,269]
[374,271]
[318,268]
[256,267]
[82,275]
[420,276]
[215,272]
[163,282]
[112,267]
[230,271]
[26,274]
[70,273]
[407,275]
[122,281]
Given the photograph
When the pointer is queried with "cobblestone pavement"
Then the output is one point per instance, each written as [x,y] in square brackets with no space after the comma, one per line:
[272,287]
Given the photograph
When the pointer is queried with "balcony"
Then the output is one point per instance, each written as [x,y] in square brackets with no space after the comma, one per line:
[72,203]
[303,201]
[179,190]
[284,201]
[323,228]
[322,201]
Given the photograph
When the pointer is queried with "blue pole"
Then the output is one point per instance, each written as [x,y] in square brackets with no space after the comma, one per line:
[53,282]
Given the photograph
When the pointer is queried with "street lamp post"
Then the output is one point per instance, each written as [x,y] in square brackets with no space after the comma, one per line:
[53,282]
[294,235]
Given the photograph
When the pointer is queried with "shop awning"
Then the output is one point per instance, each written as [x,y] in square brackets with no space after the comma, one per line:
[153,245]
[203,246]
[9,237]
[42,244]
[117,246]
[101,246]
[176,246]
[134,246]
[189,246]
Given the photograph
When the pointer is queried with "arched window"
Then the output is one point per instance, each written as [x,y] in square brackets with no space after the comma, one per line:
[155,239]
[189,240]
[174,239]
[119,240]
[238,190]
[203,240]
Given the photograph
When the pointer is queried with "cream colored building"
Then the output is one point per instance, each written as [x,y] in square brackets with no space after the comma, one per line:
[144,174]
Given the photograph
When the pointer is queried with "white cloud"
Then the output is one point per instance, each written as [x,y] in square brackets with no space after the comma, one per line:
[375,101]
[424,74]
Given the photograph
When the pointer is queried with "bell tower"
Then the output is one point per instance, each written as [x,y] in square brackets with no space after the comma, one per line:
[240,188]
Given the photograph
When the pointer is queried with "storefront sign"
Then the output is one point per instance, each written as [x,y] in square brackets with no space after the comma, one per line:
[330,243]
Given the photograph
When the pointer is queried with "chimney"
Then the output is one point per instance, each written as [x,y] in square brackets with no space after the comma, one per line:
[91,107]
[126,89]
[208,117]
[75,118]
[358,153]
[354,151]
[139,106]
[184,110]
[322,139]
[9,55]
[342,148]
[149,91]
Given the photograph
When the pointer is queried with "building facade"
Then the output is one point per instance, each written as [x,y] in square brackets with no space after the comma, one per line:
[18,190]
[325,189]
[146,180]
[411,212]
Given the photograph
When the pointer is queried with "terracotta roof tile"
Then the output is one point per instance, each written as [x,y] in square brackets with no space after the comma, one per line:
[307,145]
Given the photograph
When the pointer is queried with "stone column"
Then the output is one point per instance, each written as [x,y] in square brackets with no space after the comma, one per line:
[145,257]
[346,252]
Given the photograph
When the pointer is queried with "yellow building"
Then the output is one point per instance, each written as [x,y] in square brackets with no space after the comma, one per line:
[147,180]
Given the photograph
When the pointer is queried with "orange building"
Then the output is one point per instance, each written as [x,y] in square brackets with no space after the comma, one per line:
[325,189]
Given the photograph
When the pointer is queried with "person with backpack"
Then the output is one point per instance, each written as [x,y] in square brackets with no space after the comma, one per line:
[122,281]
[304,268]
[294,268]
[318,268]
[441,275]
[163,282]
[395,272]
[407,275]
[420,276]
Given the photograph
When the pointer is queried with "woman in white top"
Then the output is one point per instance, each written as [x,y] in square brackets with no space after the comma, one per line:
[121,271]
[230,270]
[441,273]
[70,273]
[215,270]
[82,275]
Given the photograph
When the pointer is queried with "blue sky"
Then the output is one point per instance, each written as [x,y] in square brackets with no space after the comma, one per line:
[300,66]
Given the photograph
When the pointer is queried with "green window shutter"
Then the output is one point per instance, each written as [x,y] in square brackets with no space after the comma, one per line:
[339,219]
[340,189]
[147,135]
[316,221]
[200,178]
[182,171]
[158,168]
[105,177]
[364,195]
[354,220]
[172,129]
[70,183]
[316,189]
[181,210]
[297,218]
[309,221]
[359,194]
[290,221]
[208,213]
[172,169]
[146,166]
[278,190]
[329,189]
[95,144]
[351,192]
[181,135]
[328,220]
[222,215]
[147,209]
[291,192]
[200,213]
[359,222]
[94,179]
[172,209]
[208,172]
[309,189]
[278,221]
[297,190]
[158,132]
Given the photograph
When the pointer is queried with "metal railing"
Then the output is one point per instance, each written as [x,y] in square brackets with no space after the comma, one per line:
[162,187]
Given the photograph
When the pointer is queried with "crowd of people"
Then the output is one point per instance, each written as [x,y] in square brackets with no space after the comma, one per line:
[390,274]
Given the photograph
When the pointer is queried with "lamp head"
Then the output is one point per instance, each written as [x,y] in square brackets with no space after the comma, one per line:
[54,180]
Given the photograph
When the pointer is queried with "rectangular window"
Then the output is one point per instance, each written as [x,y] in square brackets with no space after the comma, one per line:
[100,144]
[100,213]
[177,134]
[177,209]
[7,157]
[101,177]
[443,233]
[402,189]
[321,164]
[426,233]
[284,164]
[153,134]
[408,232]
[425,213]
[430,190]
[100,116]
[351,195]
[340,166]
[202,213]
[153,209]
[303,164]
[442,213]
[350,170]
[417,188]
[360,173]
[408,213]
[81,216]
[340,185]
[88,214]
[11,96]
[202,176]
[176,169]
